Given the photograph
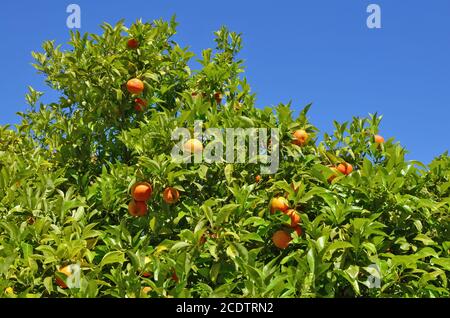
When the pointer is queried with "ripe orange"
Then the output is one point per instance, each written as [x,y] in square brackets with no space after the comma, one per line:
[67,272]
[137,208]
[342,168]
[140,104]
[135,86]
[141,191]
[349,168]
[279,204]
[258,178]
[300,137]
[378,139]
[345,168]
[295,217]
[133,44]
[193,146]
[171,195]
[281,239]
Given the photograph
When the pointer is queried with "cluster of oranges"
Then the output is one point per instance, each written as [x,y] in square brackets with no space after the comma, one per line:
[141,193]
[282,238]
[346,168]
[135,86]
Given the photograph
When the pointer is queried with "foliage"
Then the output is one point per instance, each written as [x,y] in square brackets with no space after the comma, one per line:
[66,173]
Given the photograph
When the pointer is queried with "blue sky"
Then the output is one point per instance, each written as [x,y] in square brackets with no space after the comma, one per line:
[318,51]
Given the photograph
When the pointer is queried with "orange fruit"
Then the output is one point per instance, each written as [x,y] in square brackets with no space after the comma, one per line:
[135,86]
[193,146]
[67,272]
[171,195]
[345,168]
[349,168]
[378,139]
[142,191]
[140,104]
[137,208]
[279,204]
[342,168]
[300,137]
[281,239]
[295,217]
[258,178]
[133,44]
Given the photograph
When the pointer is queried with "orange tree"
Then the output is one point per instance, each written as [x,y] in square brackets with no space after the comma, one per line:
[92,204]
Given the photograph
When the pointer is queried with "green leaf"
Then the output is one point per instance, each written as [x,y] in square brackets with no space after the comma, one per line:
[112,257]
[442,262]
[179,245]
[251,237]
[231,251]
[311,258]
[48,284]
[215,270]
[229,173]
[335,246]
[224,212]
[424,239]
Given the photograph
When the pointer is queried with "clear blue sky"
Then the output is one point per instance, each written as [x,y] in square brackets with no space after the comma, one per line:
[305,51]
